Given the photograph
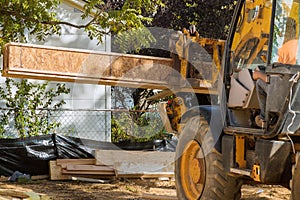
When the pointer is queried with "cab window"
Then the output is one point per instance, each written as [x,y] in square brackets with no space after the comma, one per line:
[250,42]
[286,33]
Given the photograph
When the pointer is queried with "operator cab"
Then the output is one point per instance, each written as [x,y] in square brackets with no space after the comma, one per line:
[258,42]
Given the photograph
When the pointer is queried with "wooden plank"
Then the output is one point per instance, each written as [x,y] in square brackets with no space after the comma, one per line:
[39,177]
[161,95]
[108,177]
[85,161]
[5,197]
[95,67]
[82,172]
[14,193]
[89,168]
[91,180]
[73,65]
[55,171]
[137,162]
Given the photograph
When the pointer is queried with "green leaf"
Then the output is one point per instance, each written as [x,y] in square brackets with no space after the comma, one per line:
[24,104]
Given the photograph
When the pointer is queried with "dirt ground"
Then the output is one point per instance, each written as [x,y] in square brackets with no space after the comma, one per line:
[130,189]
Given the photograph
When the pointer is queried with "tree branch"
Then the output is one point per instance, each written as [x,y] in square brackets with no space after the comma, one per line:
[28,18]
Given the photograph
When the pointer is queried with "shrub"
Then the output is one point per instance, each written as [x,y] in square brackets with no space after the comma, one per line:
[27,105]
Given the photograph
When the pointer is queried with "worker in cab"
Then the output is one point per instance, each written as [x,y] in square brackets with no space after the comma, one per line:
[287,54]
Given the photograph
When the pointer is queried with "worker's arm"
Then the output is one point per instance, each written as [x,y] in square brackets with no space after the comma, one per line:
[259,75]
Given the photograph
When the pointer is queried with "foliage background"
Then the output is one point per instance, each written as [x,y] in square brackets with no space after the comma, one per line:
[211,18]
[125,20]
[28,105]
[39,18]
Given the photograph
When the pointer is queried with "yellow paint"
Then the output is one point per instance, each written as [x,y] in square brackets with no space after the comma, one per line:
[192,170]
[254,22]
[255,174]
[175,110]
[182,49]
[240,151]
[294,15]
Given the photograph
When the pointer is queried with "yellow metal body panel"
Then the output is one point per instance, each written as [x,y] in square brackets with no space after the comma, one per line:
[175,109]
[240,151]
[255,174]
[252,31]
[183,46]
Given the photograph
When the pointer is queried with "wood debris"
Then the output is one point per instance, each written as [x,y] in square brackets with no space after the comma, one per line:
[138,164]
[8,192]
[65,169]
[115,164]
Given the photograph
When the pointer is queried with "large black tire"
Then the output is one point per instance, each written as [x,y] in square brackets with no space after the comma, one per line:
[295,183]
[199,171]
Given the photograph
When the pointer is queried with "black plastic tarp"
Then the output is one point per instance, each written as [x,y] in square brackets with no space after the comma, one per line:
[32,155]
[156,145]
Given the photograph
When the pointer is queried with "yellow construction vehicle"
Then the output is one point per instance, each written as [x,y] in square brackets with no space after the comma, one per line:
[222,145]
[218,102]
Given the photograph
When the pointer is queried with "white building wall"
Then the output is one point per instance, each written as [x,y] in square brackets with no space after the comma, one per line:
[84,97]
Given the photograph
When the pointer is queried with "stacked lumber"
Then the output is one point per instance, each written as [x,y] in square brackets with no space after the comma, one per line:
[66,169]
[115,164]
[138,164]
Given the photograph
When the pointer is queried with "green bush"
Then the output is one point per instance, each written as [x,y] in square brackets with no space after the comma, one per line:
[27,104]
[146,127]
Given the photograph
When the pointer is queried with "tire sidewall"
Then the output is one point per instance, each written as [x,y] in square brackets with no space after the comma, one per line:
[195,129]
[216,179]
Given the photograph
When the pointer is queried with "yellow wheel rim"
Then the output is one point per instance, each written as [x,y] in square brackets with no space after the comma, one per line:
[192,170]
